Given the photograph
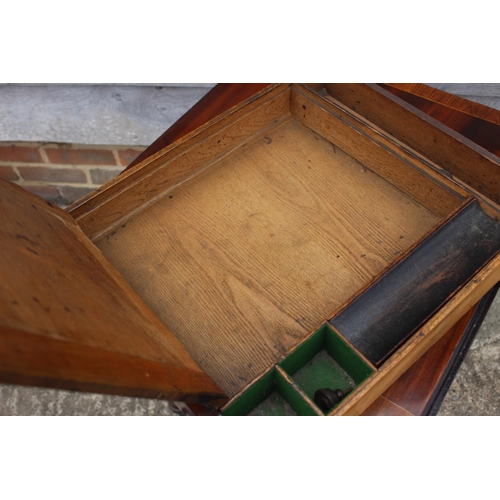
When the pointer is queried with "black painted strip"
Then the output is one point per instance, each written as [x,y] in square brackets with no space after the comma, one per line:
[396,305]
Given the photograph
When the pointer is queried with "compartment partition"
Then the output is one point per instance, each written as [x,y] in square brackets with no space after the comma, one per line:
[272,395]
[387,314]
[322,361]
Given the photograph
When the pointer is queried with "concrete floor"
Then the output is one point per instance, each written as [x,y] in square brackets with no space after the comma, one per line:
[18,400]
[475,391]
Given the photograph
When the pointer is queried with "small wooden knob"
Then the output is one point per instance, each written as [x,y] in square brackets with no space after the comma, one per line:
[326,399]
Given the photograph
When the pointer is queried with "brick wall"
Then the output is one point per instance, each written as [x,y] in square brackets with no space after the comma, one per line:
[62,173]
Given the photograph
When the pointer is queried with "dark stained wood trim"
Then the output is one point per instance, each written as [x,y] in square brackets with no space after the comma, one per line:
[422,388]
[442,98]
[221,98]
[383,407]
[416,387]
[31,359]
[464,342]
[460,156]
[482,132]
[380,320]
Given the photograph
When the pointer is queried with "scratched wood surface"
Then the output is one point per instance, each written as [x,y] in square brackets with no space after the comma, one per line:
[245,259]
[57,290]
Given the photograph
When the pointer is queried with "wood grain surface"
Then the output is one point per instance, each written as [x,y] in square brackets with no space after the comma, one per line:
[137,188]
[384,407]
[57,285]
[461,157]
[33,359]
[444,100]
[412,391]
[419,385]
[376,149]
[483,132]
[221,98]
[425,337]
[245,259]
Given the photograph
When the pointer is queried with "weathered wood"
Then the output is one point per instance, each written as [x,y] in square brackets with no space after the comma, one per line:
[268,178]
[429,370]
[401,300]
[219,100]
[34,359]
[137,188]
[358,138]
[266,243]
[442,145]
[56,285]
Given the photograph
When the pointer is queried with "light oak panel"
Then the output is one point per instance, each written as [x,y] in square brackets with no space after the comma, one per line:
[364,142]
[244,260]
[141,185]
[56,286]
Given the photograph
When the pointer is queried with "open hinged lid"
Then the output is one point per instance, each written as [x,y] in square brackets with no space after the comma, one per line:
[69,320]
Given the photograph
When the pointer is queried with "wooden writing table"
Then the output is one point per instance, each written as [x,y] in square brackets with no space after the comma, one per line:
[92,296]
[423,387]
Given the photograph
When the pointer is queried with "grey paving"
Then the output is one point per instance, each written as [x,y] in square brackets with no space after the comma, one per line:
[93,114]
[484,93]
[24,401]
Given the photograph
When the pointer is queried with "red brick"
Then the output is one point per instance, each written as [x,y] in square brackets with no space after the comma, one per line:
[49,193]
[8,174]
[20,153]
[49,174]
[69,194]
[127,156]
[80,156]
[102,175]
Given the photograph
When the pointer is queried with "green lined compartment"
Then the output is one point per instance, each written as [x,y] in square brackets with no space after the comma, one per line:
[323,361]
[270,395]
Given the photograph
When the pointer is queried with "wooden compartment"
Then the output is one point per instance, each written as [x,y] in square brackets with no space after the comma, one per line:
[244,237]
[244,260]
[272,395]
[326,360]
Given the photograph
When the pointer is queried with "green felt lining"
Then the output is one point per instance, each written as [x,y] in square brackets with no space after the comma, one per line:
[270,395]
[324,360]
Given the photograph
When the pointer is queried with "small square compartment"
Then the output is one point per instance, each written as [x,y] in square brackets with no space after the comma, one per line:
[271,395]
[326,361]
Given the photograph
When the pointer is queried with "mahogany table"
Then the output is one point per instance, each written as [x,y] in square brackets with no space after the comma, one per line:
[421,390]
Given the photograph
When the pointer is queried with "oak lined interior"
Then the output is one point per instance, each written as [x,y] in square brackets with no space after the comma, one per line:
[246,259]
